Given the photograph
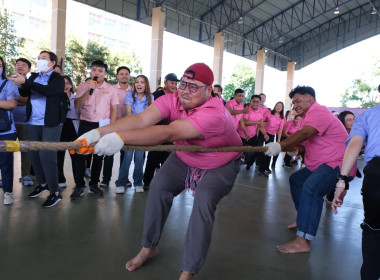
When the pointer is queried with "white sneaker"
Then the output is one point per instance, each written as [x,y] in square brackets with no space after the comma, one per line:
[8,199]
[120,189]
[62,185]
[27,181]
[139,189]
[88,172]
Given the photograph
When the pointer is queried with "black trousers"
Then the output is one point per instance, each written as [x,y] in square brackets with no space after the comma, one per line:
[370,269]
[68,134]
[154,160]
[250,157]
[265,160]
[80,160]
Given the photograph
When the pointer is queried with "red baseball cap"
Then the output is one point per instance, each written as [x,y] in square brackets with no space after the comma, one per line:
[200,72]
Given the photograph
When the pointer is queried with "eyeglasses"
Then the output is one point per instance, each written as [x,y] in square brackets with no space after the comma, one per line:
[193,88]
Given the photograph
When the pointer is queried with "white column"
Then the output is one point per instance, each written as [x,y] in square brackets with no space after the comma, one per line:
[158,23]
[58,29]
[218,57]
[259,82]
[289,84]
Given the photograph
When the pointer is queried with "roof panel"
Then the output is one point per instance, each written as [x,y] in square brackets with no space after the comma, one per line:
[302,31]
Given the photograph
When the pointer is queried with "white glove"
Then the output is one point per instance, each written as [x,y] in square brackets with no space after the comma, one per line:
[274,149]
[91,137]
[109,144]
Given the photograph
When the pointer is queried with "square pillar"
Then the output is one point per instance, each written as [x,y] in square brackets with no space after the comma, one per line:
[289,84]
[58,30]
[259,82]
[158,23]
[218,57]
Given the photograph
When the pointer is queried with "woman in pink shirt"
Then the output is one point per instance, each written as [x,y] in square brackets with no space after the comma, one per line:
[289,129]
[275,124]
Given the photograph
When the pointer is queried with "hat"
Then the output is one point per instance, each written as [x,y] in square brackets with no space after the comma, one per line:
[171,77]
[200,72]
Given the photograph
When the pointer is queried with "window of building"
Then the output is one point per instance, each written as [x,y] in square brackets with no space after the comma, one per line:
[109,27]
[124,32]
[109,43]
[94,22]
[94,37]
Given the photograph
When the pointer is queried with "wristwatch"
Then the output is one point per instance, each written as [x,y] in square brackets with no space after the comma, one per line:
[345,179]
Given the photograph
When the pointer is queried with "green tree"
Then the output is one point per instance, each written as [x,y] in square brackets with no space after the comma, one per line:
[360,92]
[9,43]
[80,57]
[242,77]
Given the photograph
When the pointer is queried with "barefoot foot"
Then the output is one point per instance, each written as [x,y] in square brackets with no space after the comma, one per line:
[298,245]
[141,258]
[293,225]
[186,276]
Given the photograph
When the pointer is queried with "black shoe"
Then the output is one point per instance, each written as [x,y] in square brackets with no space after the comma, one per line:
[77,193]
[288,166]
[104,183]
[38,190]
[263,174]
[268,171]
[52,200]
[95,190]
[146,187]
[129,184]
[248,167]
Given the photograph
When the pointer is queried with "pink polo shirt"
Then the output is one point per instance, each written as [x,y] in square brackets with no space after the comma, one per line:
[211,120]
[232,104]
[328,145]
[290,127]
[264,110]
[121,109]
[251,116]
[98,106]
[274,123]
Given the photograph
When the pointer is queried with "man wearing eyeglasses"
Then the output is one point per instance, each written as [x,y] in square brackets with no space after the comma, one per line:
[196,118]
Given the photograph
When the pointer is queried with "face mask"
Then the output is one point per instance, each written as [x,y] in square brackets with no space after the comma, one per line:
[42,65]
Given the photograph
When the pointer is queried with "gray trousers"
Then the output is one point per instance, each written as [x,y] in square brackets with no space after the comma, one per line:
[25,161]
[45,162]
[168,182]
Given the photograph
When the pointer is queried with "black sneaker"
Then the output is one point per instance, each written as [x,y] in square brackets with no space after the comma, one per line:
[129,184]
[104,183]
[268,171]
[77,193]
[248,167]
[52,200]
[95,190]
[263,174]
[146,187]
[38,190]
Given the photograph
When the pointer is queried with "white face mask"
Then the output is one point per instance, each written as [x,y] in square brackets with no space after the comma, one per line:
[42,65]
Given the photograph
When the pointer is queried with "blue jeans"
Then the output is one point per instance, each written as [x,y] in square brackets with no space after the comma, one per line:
[6,164]
[137,172]
[308,189]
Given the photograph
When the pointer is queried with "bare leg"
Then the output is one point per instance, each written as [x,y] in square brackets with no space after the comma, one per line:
[141,258]
[293,225]
[186,276]
[298,245]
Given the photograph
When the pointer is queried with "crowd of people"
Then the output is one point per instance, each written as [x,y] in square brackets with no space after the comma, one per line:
[44,106]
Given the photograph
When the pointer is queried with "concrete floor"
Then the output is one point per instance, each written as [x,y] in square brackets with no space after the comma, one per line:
[92,238]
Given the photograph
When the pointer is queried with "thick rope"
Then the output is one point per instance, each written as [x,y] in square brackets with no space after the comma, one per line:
[24,146]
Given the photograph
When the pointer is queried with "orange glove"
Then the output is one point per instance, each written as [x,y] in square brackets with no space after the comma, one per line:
[84,150]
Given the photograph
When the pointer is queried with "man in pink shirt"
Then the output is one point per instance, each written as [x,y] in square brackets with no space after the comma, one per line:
[123,74]
[236,107]
[323,138]
[196,117]
[248,126]
[98,101]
